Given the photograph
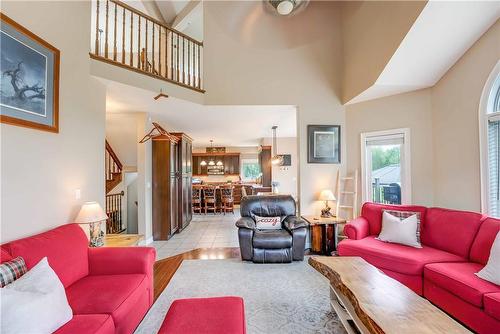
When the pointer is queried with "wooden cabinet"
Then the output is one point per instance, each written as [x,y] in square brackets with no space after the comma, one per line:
[231,163]
[165,177]
[185,190]
[265,165]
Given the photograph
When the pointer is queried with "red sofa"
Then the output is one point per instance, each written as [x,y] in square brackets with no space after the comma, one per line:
[456,244]
[109,289]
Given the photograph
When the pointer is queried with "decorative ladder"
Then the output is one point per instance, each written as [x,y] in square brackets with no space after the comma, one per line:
[347,197]
[114,172]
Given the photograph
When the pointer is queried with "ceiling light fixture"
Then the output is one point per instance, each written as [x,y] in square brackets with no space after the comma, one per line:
[276,159]
[284,7]
[211,162]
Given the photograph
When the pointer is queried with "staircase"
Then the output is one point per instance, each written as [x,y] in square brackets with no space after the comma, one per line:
[114,169]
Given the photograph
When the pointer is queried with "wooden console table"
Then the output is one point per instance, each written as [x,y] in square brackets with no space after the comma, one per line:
[122,240]
[375,303]
[324,233]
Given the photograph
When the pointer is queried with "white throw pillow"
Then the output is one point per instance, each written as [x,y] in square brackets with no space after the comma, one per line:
[400,231]
[35,303]
[491,272]
[268,223]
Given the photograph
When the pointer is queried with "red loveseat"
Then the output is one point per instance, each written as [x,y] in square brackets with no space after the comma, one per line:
[455,245]
[109,289]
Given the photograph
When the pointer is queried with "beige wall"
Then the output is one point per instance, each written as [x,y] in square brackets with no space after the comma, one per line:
[253,58]
[455,101]
[40,171]
[287,177]
[372,31]
[411,110]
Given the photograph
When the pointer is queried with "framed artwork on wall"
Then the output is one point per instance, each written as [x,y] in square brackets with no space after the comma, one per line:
[323,144]
[29,68]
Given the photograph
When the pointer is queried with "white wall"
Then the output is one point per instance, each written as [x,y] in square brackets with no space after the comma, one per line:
[121,133]
[253,58]
[40,171]
[411,110]
[456,125]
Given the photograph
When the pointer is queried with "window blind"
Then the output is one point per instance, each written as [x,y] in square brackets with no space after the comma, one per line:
[493,167]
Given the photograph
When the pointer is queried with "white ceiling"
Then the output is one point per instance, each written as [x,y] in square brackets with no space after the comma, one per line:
[187,19]
[226,125]
[442,33]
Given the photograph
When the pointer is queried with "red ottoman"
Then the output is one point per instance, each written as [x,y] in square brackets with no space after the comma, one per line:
[218,315]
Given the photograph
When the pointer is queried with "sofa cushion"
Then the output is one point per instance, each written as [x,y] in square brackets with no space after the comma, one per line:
[450,230]
[89,324]
[459,279]
[373,213]
[213,316]
[125,297]
[66,248]
[480,250]
[272,239]
[395,257]
[492,304]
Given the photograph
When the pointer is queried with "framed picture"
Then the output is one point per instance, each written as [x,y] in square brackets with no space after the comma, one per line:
[323,144]
[29,69]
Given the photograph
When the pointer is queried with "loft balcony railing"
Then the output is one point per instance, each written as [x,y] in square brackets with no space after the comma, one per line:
[123,36]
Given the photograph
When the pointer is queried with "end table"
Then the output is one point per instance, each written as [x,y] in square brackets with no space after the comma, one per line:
[324,233]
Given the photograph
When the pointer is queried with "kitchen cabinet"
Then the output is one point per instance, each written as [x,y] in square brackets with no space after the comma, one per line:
[231,163]
[265,165]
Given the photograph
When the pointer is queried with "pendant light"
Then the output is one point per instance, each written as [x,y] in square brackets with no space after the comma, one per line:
[211,162]
[276,159]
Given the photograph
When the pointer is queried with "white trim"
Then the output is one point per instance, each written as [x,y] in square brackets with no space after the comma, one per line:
[146,242]
[484,106]
[405,162]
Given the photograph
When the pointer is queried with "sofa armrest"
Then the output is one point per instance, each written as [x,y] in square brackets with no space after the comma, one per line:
[293,222]
[356,229]
[246,222]
[121,260]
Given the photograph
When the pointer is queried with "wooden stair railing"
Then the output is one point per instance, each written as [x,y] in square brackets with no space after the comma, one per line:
[123,36]
[113,167]
[114,224]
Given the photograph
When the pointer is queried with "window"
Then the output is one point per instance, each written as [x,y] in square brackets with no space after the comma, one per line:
[250,169]
[385,159]
[489,129]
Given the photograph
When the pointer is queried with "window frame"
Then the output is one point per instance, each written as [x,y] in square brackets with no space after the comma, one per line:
[406,192]
[487,113]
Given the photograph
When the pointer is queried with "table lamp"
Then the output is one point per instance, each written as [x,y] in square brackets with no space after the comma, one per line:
[91,213]
[326,195]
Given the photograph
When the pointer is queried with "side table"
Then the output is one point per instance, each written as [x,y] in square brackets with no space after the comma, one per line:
[122,240]
[324,233]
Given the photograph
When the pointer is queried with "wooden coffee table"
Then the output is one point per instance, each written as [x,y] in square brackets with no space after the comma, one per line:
[367,299]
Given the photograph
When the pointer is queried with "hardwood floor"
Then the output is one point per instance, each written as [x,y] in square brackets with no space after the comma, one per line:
[165,269]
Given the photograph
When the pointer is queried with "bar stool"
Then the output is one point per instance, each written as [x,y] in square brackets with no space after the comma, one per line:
[227,198]
[210,199]
[196,203]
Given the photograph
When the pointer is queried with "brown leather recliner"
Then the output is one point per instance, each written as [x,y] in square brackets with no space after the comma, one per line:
[271,246]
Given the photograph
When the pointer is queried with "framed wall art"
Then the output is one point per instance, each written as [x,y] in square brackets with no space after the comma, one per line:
[29,69]
[323,144]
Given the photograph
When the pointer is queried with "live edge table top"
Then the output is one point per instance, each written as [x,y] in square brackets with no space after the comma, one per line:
[383,304]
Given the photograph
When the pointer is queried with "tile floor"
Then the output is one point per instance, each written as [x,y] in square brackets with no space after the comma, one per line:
[204,231]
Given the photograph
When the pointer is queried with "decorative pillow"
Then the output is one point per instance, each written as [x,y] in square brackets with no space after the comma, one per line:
[268,223]
[405,214]
[399,231]
[34,303]
[12,270]
[491,272]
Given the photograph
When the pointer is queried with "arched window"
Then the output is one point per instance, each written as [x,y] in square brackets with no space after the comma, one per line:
[490,144]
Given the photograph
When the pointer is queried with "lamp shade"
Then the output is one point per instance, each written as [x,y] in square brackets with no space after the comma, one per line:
[91,212]
[326,195]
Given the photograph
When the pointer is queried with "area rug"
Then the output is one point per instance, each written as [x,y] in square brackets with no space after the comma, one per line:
[279,298]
